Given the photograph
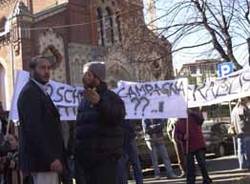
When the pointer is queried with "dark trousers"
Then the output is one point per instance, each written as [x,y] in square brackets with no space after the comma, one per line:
[133,158]
[68,174]
[130,156]
[200,157]
[122,176]
[28,180]
[101,173]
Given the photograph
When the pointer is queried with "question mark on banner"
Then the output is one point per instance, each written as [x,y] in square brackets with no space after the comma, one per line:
[135,99]
[161,106]
[146,104]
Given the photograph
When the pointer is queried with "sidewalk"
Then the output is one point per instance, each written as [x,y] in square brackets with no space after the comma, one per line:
[222,170]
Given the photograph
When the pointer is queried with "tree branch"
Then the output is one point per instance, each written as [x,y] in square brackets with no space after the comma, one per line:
[192,46]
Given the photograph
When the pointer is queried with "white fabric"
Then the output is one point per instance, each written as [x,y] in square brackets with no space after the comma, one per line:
[238,111]
[45,178]
[43,87]
[235,118]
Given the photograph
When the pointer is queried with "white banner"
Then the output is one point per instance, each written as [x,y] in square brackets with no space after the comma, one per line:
[150,99]
[64,96]
[67,113]
[231,87]
[161,99]
[142,100]
[22,78]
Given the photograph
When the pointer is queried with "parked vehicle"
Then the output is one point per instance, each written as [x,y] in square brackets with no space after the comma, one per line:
[217,139]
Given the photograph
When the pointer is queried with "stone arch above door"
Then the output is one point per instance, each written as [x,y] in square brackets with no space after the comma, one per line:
[53,55]
[51,44]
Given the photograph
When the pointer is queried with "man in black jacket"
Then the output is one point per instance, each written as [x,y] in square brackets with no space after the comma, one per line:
[99,135]
[41,143]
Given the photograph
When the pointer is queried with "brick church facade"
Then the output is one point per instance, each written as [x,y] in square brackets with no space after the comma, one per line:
[73,32]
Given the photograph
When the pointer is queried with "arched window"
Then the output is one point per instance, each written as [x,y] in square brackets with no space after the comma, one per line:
[109,26]
[118,22]
[100,27]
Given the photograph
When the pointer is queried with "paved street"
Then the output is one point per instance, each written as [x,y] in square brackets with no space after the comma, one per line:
[222,170]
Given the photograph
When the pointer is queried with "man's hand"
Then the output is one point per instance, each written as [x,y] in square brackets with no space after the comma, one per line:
[231,130]
[92,96]
[56,166]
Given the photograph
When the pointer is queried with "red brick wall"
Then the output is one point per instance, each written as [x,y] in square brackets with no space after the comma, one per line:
[81,15]
[76,13]
[56,20]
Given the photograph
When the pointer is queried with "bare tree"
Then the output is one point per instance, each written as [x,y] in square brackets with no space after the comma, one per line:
[223,24]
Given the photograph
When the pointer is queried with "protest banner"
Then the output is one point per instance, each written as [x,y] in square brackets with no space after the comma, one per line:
[64,96]
[160,99]
[142,100]
[231,87]
[154,99]
[21,79]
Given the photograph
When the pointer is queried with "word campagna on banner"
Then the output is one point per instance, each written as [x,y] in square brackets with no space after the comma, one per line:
[149,89]
[149,99]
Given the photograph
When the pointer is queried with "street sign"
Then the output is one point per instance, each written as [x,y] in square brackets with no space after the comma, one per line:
[225,69]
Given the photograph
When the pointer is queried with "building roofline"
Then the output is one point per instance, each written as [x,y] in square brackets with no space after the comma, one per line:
[198,62]
[50,12]
[201,61]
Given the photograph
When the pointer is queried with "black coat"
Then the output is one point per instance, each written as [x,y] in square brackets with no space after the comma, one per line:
[99,132]
[41,139]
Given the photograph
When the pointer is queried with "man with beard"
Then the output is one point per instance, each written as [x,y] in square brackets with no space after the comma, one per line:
[99,134]
[41,143]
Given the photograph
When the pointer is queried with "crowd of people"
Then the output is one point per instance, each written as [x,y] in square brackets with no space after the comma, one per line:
[9,171]
[104,142]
